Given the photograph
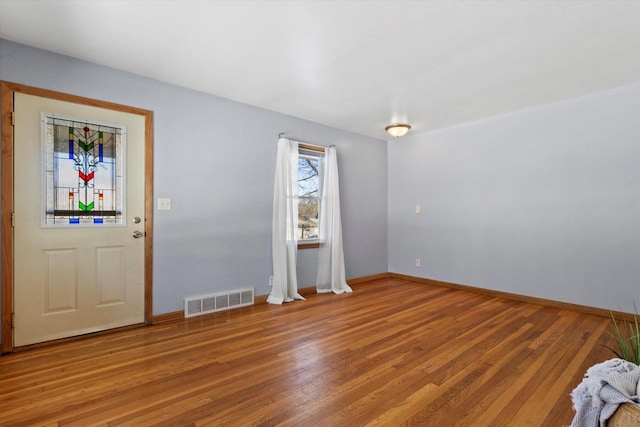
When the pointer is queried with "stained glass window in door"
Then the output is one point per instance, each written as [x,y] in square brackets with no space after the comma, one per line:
[84,167]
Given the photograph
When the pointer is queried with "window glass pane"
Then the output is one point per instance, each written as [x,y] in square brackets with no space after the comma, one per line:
[308,219]
[308,176]
[83,173]
[309,181]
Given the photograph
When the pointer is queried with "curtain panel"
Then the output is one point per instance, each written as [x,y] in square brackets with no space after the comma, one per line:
[285,224]
[331,273]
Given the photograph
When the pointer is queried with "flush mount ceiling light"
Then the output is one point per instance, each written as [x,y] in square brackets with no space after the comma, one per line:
[397,130]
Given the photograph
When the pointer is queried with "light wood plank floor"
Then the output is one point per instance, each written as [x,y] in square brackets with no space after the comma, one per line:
[392,353]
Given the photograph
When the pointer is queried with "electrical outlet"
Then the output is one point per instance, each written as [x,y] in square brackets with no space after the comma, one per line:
[418,209]
[417,262]
[270,280]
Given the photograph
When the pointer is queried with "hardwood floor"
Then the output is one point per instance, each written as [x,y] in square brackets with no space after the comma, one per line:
[392,353]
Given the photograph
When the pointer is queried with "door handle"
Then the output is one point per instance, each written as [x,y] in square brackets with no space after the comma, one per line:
[137,234]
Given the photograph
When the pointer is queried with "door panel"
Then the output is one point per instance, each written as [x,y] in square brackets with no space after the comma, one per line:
[60,281]
[110,275]
[71,280]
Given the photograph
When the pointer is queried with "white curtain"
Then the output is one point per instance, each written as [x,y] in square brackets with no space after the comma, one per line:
[285,224]
[331,276]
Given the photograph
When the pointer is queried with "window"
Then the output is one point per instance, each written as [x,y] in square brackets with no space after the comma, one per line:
[310,174]
[84,169]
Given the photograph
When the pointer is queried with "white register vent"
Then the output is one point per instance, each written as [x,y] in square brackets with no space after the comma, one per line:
[195,306]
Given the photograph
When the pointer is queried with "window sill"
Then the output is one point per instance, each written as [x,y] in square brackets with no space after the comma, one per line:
[309,245]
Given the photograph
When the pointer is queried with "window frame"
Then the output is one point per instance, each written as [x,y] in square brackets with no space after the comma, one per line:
[304,149]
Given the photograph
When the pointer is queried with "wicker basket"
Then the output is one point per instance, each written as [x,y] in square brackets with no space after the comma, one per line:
[627,415]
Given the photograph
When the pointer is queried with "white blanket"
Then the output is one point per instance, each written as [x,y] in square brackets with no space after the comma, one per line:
[604,387]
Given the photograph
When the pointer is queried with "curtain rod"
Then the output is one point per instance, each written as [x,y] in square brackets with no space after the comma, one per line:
[281,135]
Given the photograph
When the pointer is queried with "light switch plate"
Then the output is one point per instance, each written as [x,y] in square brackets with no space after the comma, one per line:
[164,204]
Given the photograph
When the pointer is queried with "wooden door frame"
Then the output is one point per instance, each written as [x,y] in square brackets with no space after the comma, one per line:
[7,91]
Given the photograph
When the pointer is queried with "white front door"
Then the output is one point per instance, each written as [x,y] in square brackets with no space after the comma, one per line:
[78,203]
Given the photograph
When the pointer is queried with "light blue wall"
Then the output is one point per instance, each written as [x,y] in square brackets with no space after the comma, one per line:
[543,202]
[215,159]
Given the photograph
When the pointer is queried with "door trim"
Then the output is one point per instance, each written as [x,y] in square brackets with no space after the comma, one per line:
[7,89]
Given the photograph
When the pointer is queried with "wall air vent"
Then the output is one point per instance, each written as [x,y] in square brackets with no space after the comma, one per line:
[195,306]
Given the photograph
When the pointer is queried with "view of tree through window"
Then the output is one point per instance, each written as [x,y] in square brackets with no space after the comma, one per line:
[309,172]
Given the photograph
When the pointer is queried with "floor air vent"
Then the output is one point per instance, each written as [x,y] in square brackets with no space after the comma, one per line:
[195,306]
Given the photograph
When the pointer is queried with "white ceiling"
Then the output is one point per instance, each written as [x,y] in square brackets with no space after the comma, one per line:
[353,65]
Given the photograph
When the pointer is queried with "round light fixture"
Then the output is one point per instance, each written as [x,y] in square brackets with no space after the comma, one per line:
[397,130]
